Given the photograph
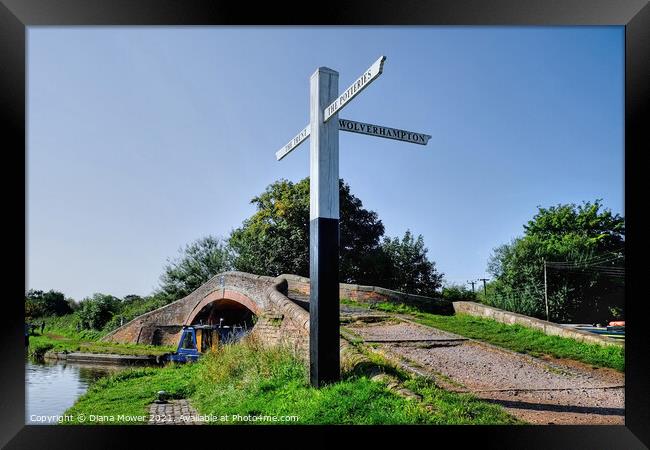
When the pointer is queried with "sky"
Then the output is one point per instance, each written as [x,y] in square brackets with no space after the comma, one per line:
[141,140]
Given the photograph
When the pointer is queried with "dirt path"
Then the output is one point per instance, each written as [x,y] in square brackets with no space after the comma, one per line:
[56,337]
[531,389]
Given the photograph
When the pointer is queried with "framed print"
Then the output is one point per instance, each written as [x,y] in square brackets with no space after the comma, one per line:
[358,218]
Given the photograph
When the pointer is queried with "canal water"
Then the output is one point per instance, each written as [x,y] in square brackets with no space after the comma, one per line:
[51,387]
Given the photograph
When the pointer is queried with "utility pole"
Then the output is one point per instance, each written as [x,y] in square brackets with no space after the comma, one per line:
[472,283]
[545,290]
[484,286]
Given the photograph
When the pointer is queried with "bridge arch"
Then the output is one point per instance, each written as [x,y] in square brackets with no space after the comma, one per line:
[226,307]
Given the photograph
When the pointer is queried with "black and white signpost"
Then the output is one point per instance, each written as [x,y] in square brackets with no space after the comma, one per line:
[324,126]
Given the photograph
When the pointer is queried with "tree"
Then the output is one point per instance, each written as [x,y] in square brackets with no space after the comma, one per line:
[133,306]
[409,269]
[95,312]
[360,233]
[131,298]
[197,263]
[51,303]
[33,308]
[458,293]
[587,241]
[72,304]
[275,239]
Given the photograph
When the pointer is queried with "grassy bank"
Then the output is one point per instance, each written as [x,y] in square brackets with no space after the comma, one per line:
[38,345]
[513,337]
[60,335]
[249,380]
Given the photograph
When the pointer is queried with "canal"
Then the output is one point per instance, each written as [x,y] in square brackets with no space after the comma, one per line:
[51,387]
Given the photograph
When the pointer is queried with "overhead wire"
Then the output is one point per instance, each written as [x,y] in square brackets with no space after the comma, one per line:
[610,256]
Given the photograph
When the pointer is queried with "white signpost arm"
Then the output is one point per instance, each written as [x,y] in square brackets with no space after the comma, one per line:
[293,143]
[358,127]
[383,132]
[355,88]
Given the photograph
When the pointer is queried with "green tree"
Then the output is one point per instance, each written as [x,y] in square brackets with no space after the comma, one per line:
[458,293]
[409,269]
[196,264]
[95,312]
[588,240]
[33,308]
[133,306]
[275,239]
[72,304]
[130,299]
[50,303]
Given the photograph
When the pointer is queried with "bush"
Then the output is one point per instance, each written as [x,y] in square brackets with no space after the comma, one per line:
[51,303]
[38,349]
[133,306]
[96,311]
[458,293]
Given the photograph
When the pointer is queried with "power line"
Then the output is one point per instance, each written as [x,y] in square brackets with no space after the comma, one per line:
[578,264]
[613,271]
[569,266]
[593,260]
[593,268]
[612,274]
[617,253]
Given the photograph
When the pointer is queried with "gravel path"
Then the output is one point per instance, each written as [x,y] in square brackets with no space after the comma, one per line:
[532,389]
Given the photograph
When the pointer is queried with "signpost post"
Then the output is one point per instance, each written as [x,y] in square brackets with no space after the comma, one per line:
[323,129]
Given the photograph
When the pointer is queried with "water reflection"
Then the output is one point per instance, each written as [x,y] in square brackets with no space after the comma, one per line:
[51,387]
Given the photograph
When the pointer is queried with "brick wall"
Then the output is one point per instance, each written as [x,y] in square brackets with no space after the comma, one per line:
[284,322]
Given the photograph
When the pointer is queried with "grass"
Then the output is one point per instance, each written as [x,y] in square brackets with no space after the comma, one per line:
[248,380]
[67,326]
[513,337]
[61,335]
[123,398]
[63,340]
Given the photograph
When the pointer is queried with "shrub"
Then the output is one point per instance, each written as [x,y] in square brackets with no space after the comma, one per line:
[456,293]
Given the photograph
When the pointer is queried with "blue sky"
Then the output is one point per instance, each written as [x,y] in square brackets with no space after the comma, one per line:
[141,140]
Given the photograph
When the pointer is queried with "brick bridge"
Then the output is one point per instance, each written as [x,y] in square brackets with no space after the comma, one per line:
[275,309]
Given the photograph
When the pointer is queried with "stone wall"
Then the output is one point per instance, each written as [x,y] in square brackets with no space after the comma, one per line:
[374,294]
[550,328]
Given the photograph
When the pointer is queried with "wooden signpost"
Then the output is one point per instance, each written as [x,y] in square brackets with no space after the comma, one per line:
[323,129]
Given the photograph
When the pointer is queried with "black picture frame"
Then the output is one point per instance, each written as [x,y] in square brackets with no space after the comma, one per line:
[17,15]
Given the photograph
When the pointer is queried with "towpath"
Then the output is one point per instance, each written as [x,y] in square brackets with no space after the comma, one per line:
[532,389]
